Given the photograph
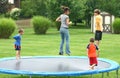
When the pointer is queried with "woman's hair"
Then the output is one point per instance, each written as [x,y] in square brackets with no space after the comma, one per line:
[64,8]
[97,11]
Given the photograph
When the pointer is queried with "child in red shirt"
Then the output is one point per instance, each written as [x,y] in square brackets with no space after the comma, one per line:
[92,55]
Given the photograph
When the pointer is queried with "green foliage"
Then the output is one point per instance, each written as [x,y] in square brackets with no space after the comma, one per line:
[116,26]
[15,13]
[77,8]
[58,24]
[2,15]
[52,8]
[110,6]
[7,15]
[80,9]
[27,10]
[91,5]
[4,6]
[7,27]
[33,7]
[41,24]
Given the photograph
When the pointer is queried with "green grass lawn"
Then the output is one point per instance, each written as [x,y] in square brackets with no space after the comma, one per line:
[48,45]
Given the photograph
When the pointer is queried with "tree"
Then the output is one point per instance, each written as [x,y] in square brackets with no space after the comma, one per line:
[91,5]
[27,10]
[55,7]
[76,7]
[34,7]
[40,7]
[77,10]
[80,9]
[3,6]
[111,6]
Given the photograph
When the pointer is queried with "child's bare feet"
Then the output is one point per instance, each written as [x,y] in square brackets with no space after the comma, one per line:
[17,58]
[91,67]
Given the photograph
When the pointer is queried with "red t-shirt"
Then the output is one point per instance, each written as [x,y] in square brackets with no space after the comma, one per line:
[92,50]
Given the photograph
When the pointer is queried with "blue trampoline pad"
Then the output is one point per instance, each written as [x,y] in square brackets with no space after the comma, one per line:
[55,66]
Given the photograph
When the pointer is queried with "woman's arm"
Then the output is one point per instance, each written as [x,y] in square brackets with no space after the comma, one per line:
[68,21]
[58,19]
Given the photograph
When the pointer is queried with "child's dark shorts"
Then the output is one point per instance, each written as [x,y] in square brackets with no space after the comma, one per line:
[17,47]
[98,35]
[93,60]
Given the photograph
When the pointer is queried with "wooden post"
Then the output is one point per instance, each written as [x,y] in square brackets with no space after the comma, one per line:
[17,3]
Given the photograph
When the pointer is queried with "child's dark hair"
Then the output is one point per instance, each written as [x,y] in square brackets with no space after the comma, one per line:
[64,8]
[92,39]
[20,30]
[97,11]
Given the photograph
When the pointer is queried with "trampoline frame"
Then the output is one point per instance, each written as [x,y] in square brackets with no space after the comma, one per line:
[114,66]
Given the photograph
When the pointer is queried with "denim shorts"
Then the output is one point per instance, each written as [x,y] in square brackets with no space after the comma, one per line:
[17,47]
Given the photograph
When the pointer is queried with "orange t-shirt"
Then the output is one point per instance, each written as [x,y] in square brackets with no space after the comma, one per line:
[92,50]
[98,23]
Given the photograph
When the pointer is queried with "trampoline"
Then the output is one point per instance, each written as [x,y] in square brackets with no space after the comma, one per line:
[55,66]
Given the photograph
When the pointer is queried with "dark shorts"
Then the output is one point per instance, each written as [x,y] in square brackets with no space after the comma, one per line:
[93,60]
[98,35]
[17,47]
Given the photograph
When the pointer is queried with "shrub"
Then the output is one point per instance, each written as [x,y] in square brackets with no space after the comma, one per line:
[41,24]
[116,26]
[58,24]
[7,15]
[15,13]
[2,15]
[7,27]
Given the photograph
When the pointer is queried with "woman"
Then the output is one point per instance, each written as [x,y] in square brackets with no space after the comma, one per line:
[64,32]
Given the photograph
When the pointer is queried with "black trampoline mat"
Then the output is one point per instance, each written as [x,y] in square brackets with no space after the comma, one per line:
[51,64]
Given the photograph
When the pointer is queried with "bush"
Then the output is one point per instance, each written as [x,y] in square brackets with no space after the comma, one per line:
[7,27]
[15,13]
[116,26]
[41,24]
[58,24]
[2,15]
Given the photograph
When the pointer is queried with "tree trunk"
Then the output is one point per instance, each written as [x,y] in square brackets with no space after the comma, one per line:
[75,23]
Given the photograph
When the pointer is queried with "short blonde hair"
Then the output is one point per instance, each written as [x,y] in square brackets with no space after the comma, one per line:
[20,30]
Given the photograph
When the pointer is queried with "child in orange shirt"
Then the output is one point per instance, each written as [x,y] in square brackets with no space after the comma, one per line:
[92,55]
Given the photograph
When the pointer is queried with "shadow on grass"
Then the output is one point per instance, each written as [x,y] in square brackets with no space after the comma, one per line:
[53,77]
